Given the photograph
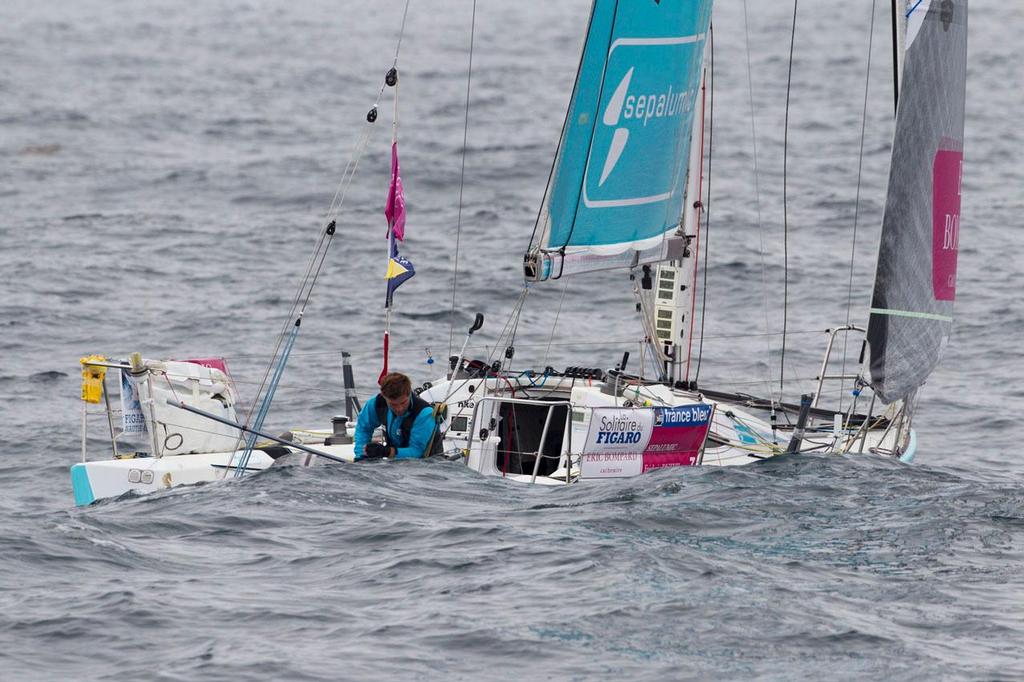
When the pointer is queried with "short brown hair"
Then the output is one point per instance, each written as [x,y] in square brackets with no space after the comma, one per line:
[395,385]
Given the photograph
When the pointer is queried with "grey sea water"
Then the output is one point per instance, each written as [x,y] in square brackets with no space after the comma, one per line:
[164,170]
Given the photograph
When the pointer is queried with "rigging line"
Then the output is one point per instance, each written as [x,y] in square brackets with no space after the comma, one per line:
[593,127]
[462,182]
[785,207]
[516,309]
[527,344]
[646,312]
[361,145]
[561,300]
[401,33]
[264,406]
[394,117]
[316,275]
[491,351]
[659,368]
[301,297]
[349,172]
[515,328]
[278,344]
[351,168]
[856,203]
[895,53]
[323,242]
[391,238]
[513,319]
[757,202]
[319,250]
[561,136]
[700,214]
[398,46]
[302,284]
[707,206]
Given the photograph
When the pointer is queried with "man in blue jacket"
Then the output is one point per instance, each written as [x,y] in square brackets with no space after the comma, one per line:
[408,420]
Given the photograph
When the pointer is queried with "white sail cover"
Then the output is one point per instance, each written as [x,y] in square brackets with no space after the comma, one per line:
[619,179]
[915,283]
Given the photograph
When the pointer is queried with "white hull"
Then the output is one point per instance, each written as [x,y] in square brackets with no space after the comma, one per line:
[98,480]
[737,436]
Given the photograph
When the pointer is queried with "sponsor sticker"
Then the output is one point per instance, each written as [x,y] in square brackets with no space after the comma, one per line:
[947,173]
[629,441]
[132,418]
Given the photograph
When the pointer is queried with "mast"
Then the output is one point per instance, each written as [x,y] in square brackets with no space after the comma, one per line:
[899,32]
[394,211]
[675,282]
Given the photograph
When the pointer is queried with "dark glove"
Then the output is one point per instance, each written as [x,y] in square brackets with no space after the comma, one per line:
[375,451]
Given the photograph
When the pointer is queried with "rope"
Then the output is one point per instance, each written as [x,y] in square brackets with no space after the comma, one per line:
[696,248]
[856,203]
[462,182]
[401,34]
[561,300]
[707,206]
[785,211]
[498,343]
[757,193]
[561,139]
[314,267]
[510,323]
[264,408]
[515,328]
[600,97]
[391,248]
[398,47]
[895,56]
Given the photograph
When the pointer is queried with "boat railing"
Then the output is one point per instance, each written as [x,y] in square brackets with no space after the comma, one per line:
[108,410]
[843,376]
[564,450]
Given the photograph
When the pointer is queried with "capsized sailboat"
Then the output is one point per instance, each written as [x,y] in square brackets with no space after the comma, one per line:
[625,192]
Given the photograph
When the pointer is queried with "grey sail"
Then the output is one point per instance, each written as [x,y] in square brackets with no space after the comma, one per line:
[915,281]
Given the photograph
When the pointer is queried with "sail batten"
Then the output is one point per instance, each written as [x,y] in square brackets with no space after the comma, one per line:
[617,187]
[915,282]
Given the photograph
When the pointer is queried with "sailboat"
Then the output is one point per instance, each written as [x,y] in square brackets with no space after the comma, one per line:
[626,192]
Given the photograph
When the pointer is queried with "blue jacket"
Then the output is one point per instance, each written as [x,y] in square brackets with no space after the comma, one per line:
[419,438]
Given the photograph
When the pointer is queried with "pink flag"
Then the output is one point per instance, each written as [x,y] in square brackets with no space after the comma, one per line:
[213,363]
[394,211]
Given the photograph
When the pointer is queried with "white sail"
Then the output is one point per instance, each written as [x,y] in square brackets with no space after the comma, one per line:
[915,282]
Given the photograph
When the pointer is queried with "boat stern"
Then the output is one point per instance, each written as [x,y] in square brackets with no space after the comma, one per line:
[81,486]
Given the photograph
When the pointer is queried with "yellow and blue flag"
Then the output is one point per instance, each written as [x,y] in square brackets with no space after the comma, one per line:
[400,269]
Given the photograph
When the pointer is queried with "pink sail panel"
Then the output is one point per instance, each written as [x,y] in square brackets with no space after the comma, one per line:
[394,211]
[946,175]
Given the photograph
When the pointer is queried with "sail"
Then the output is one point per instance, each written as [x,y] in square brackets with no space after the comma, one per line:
[915,282]
[619,178]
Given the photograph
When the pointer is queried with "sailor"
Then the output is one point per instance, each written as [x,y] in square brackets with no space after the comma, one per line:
[408,420]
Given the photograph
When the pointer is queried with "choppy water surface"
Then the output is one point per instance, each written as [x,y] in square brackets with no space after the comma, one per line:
[164,170]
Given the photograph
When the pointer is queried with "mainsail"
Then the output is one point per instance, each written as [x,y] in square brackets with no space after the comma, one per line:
[617,187]
[915,283]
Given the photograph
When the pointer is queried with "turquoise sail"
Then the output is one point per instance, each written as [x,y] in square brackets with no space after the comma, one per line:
[619,179]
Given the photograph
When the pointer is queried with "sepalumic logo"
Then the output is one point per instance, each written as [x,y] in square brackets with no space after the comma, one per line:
[625,106]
